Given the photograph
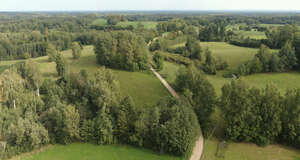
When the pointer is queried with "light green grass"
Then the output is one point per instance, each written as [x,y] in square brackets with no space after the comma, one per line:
[245,151]
[252,34]
[147,24]
[283,81]
[94,152]
[144,88]
[271,25]
[100,22]
[233,55]
[170,71]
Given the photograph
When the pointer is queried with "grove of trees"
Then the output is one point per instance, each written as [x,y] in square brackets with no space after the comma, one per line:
[122,50]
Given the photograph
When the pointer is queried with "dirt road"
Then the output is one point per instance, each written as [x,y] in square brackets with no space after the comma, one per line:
[165,83]
[198,148]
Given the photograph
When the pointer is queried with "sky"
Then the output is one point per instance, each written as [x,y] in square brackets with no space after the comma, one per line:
[107,5]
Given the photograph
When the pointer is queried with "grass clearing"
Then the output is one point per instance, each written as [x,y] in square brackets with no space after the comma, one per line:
[80,151]
[246,151]
[100,22]
[283,81]
[252,34]
[147,24]
[234,55]
[144,88]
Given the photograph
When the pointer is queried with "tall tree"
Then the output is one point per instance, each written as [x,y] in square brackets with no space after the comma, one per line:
[76,50]
[61,65]
[287,56]
[51,52]
[158,59]
[200,94]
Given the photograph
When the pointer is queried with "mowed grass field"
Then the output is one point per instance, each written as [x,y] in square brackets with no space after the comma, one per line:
[144,88]
[80,151]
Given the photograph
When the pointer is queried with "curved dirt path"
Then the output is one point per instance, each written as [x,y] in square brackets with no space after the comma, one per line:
[165,83]
[198,148]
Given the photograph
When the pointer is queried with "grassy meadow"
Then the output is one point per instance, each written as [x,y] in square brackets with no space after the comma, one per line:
[147,24]
[234,55]
[246,151]
[144,88]
[80,151]
[252,34]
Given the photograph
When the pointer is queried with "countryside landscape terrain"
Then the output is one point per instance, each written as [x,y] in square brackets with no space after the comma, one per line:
[79,86]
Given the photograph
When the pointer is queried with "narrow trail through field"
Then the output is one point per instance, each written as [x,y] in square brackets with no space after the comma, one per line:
[165,83]
[198,148]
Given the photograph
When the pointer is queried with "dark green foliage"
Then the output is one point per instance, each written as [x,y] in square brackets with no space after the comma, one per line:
[113,20]
[103,128]
[51,52]
[30,71]
[275,64]
[264,55]
[200,94]
[213,32]
[156,45]
[62,123]
[265,61]
[290,118]
[287,56]
[171,26]
[193,49]
[123,50]
[76,50]
[278,37]
[170,127]
[125,117]
[61,65]
[210,66]
[251,114]
[158,61]
[25,135]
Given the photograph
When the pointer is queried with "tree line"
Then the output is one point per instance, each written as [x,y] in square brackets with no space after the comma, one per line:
[259,115]
[78,107]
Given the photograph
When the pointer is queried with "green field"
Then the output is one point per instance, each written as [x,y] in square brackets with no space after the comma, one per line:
[282,81]
[147,24]
[252,34]
[245,151]
[144,88]
[100,22]
[94,152]
[234,55]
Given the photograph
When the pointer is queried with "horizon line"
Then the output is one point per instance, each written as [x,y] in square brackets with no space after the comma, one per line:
[159,10]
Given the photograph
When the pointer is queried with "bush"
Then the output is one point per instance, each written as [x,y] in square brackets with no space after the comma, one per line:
[158,61]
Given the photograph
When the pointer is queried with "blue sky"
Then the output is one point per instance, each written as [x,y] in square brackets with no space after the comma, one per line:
[69,5]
